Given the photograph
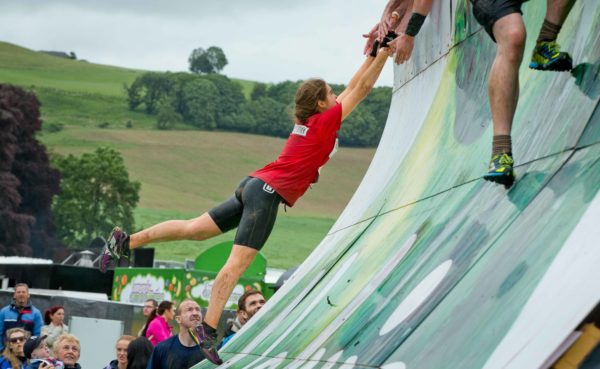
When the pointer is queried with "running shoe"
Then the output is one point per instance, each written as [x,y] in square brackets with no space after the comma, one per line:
[547,56]
[115,250]
[501,170]
[207,343]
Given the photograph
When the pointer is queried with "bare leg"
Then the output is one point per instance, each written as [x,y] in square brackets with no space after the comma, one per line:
[239,260]
[503,84]
[200,228]
[558,10]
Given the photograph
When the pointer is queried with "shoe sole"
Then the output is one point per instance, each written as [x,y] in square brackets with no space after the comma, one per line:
[557,66]
[105,260]
[112,240]
[108,256]
[207,355]
[193,335]
[503,179]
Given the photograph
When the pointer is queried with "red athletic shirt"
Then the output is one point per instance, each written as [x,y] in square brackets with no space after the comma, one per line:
[307,149]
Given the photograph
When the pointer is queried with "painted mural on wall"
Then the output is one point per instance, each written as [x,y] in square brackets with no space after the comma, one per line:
[445,270]
[136,285]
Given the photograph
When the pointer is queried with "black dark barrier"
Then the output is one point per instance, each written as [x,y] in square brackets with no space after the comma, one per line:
[59,277]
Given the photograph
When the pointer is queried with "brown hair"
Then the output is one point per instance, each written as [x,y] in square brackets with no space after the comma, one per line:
[13,357]
[160,310]
[242,299]
[125,337]
[51,311]
[307,97]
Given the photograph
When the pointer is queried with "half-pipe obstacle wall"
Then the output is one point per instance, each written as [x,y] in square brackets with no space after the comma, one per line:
[431,267]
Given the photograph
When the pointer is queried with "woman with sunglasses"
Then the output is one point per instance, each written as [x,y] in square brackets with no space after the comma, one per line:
[13,356]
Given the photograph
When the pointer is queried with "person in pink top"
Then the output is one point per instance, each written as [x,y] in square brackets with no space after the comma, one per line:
[253,207]
[158,328]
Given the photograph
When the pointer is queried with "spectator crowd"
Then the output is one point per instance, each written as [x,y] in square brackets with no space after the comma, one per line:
[32,341]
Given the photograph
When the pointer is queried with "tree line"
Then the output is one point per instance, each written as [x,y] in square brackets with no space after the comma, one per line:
[214,102]
[51,202]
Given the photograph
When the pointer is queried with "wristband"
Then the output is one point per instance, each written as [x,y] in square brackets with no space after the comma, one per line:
[374,48]
[388,38]
[414,24]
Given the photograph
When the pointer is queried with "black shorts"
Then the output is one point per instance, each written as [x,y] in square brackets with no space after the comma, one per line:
[487,12]
[252,209]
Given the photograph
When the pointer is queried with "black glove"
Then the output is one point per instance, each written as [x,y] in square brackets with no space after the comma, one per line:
[388,38]
[374,48]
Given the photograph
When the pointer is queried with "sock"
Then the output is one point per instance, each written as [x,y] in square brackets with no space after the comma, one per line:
[502,144]
[549,31]
[208,329]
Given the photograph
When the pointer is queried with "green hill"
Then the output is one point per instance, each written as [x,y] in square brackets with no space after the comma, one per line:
[76,92]
[183,173]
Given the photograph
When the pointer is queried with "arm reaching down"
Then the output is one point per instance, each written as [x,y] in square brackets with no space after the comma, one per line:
[404,44]
[390,18]
[393,12]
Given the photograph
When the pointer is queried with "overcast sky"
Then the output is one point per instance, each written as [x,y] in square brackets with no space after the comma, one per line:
[264,40]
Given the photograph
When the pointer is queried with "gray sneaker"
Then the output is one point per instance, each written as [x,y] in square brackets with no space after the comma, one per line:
[115,250]
[207,343]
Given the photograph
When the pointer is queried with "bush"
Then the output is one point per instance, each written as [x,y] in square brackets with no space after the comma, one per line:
[54,127]
[200,100]
[103,125]
[167,117]
[360,129]
[213,101]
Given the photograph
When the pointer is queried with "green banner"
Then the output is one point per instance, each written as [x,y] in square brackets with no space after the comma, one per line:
[136,285]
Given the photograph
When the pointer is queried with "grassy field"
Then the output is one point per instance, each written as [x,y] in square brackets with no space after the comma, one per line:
[75,92]
[282,249]
[183,172]
[31,68]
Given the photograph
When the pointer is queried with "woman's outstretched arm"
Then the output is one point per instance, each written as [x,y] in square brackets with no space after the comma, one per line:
[357,76]
[365,80]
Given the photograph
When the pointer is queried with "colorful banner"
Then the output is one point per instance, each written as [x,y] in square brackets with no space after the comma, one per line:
[136,285]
